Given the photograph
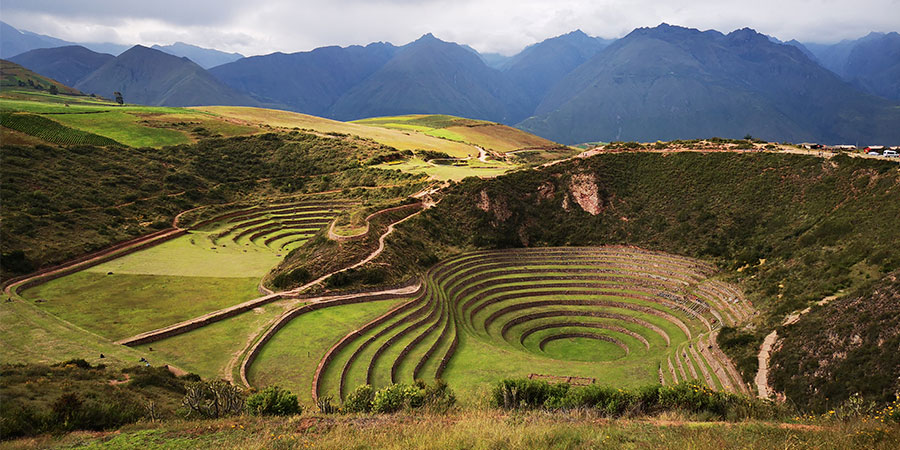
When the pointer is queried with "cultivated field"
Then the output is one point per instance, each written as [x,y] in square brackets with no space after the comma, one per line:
[215,265]
[614,315]
[131,125]
[490,136]
[399,139]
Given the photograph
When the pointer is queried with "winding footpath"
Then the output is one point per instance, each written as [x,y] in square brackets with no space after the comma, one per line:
[764,390]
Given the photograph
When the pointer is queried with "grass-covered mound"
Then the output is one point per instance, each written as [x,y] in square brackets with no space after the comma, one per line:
[788,229]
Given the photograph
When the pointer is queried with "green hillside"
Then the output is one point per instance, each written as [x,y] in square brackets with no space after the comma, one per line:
[699,205]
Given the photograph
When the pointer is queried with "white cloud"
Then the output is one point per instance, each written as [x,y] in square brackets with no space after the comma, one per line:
[504,26]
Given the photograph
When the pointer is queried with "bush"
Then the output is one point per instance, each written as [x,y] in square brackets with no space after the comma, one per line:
[360,400]
[213,399]
[395,397]
[273,401]
[438,397]
[691,396]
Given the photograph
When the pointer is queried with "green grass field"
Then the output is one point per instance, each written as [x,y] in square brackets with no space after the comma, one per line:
[488,135]
[291,357]
[471,168]
[132,125]
[194,255]
[399,139]
[206,351]
[122,305]
[31,335]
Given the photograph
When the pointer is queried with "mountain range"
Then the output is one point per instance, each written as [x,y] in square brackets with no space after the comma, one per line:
[151,77]
[871,63]
[671,82]
[665,82]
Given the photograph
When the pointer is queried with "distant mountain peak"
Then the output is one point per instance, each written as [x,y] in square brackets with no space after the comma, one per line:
[428,37]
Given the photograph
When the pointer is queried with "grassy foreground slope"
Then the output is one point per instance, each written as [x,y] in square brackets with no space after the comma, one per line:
[476,429]
[789,229]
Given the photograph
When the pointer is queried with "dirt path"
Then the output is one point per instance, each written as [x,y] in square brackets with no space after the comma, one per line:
[381,239]
[482,155]
[765,350]
[762,374]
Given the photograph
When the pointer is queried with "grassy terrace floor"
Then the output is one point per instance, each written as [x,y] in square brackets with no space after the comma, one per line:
[291,357]
[620,315]
[477,429]
[186,277]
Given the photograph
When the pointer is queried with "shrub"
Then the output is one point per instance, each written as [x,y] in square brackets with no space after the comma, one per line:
[213,399]
[514,393]
[439,396]
[325,406]
[273,401]
[395,397]
[360,400]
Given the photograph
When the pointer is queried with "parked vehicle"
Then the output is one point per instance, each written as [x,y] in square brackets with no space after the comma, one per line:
[890,153]
[874,153]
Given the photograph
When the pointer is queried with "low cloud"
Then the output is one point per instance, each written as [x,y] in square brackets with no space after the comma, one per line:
[503,26]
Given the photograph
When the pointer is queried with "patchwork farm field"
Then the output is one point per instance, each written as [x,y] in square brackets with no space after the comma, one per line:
[134,126]
[457,171]
[487,135]
[399,139]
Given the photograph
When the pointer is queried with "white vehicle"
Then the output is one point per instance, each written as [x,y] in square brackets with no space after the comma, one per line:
[890,153]
[873,153]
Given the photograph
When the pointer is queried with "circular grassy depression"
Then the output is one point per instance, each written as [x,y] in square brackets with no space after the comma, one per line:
[621,315]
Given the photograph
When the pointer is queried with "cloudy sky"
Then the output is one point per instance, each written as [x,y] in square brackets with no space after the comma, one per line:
[504,26]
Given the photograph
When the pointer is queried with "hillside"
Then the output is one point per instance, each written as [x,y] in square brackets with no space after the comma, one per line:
[308,82]
[69,64]
[16,77]
[80,201]
[430,76]
[698,205]
[151,77]
[823,357]
[673,83]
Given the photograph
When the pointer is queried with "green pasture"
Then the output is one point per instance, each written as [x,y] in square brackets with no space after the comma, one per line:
[31,335]
[132,125]
[471,168]
[290,358]
[479,363]
[194,255]
[121,305]
[582,349]
[206,351]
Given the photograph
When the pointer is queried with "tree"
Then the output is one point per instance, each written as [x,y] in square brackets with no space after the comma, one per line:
[119,98]
[53,89]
